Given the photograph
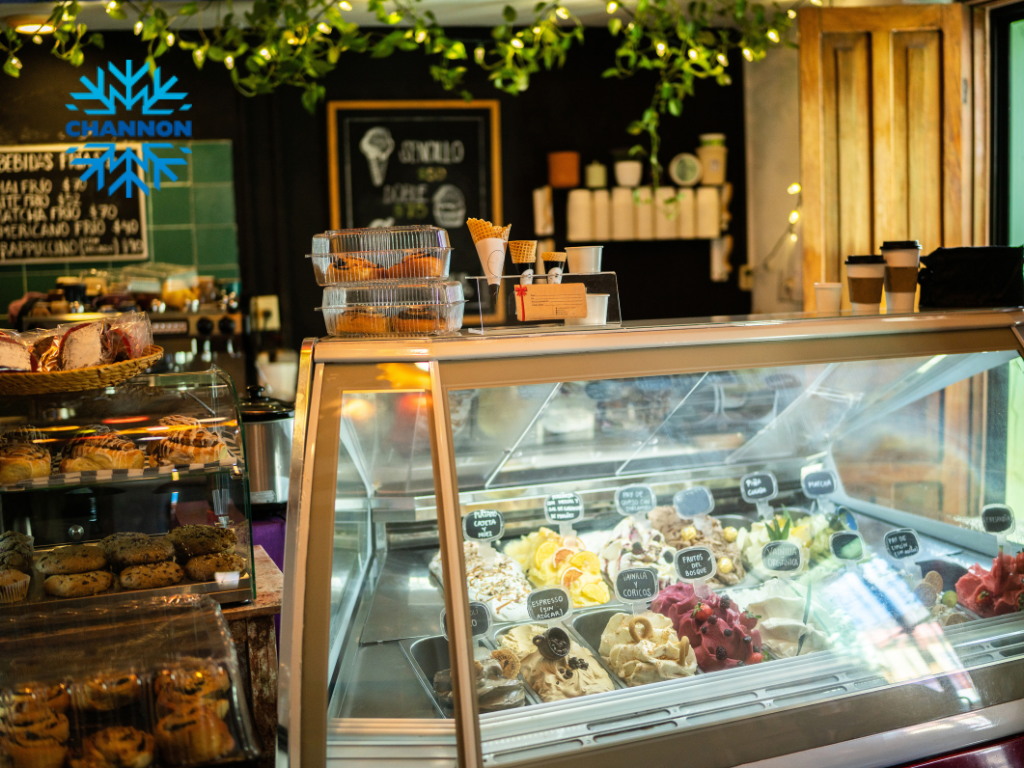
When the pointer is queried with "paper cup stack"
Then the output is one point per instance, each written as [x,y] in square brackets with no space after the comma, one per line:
[490,241]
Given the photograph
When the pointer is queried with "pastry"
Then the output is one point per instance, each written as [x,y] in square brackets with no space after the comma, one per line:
[53,697]
[16,551]
[196,446]
[23,461]
[346,268]
[363,320]
[121,746]
[417,265]
[36,720]
[79,584]
[74,558]
[82,346]
[189,683]
[194,540]
[29,751]
[100,450]
[151,576]
[205,567]
[15,356]
[107,692]
[136,549]
[193,735]
[418,320]
[13,585]
[21,436]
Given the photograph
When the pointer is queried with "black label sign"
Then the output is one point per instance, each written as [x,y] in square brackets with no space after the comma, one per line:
[693,501]
[820,483]
[781,556]
[548,604]
[483,525]
[635,500]
[696,564]
[997,519]
[479,620]
[901,543]
[563,508]
[847,545]
[636,585]
[759,486]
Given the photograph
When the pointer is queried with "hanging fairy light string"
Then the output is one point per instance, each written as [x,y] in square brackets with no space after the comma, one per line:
[790,232]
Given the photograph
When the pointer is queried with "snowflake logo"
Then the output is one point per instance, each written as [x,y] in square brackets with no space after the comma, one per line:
[126,93]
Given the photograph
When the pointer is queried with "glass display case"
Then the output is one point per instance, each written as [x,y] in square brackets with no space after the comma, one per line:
[734,541]
[136,488]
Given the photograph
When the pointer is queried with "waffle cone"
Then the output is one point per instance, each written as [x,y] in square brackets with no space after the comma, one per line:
[523,251]
[553,256]
[479,229]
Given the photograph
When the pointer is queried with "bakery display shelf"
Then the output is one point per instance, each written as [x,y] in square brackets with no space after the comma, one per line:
[231,466]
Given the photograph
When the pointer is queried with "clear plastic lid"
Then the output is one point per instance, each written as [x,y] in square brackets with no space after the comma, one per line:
[377,239]
[333,268]
[394,293]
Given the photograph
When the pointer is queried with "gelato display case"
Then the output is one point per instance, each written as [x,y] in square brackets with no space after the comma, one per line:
[735,541]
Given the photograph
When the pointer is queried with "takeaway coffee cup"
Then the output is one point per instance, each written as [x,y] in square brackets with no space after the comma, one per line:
[584,258]
[902,259]
[865,276]
[829,296]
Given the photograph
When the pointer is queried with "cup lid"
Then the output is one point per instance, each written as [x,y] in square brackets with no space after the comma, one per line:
[712,137]
[892,245]
[865,260]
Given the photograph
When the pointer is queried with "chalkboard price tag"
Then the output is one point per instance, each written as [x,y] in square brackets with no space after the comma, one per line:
[636,585]
[483,525]
[635,500]
[696,564]
[694,501]
[563,508]
[781,557]
[549,604]
[759,486]
[479,620]
[997,519]
[901,543]
[819,483]
[847,546]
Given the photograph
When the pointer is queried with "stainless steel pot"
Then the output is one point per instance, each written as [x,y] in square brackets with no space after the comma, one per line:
[268,426]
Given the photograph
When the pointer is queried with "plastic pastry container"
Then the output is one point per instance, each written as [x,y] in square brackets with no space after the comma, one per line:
[380,253]
[394,308]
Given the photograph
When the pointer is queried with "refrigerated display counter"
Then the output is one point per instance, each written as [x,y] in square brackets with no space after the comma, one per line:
[714,543]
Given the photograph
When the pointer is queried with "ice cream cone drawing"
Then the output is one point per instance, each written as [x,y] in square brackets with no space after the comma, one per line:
[491,241]
[377,145]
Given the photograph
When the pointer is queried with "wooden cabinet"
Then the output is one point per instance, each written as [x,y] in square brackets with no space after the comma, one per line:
[885,132]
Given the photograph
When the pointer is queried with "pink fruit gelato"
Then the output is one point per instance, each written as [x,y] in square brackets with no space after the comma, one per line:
[722,637]
[995,592]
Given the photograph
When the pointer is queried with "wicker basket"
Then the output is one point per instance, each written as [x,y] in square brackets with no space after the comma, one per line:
[48,382]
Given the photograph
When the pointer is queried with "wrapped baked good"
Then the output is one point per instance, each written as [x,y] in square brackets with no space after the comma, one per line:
[130,335]
[15,354]
[100,448]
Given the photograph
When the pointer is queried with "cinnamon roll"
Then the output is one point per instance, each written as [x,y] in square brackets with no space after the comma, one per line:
[23,461]
[100,451]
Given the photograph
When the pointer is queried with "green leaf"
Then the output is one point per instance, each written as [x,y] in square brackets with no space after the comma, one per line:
[189,9]
[610,72]
[615,26]
[76,57]
[509,14]
[10,69]
[96,39]
[117,12]
[216,53]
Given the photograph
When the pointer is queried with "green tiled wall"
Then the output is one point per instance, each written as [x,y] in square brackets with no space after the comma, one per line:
[190,221]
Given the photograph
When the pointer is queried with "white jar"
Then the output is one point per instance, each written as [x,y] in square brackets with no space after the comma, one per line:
[712,154]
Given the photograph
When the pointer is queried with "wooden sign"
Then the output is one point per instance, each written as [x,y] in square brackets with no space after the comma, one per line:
[550,301]
[49,214]
[395,163]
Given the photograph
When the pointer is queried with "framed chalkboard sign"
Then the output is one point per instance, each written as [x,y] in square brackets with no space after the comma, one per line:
[49,213]
[395,163]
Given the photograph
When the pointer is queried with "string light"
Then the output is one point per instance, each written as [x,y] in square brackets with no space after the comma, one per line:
[793,189]
[561,13]
[112,6]
[265,53]
[138,27]
[517,43]
[16,62]
[421,36]
[536,30]
[660,48]
[692,53]
[37,39]
[478,54]
[612,6]
[324,27]
[170,39]
[773,35]
[792,237]
[748,54]
[229,62]
[198,55]
[345,5]
[791,13]
[794,216]
[723,60]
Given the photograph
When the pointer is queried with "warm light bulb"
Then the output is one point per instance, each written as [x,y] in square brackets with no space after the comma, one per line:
[792,237]
[112,5]
[229,62]
[723,60]
[612,6]
[794,217]
[37,39]
[815,2]
[562,13]
[536,30]
[773,35]
[791,13]
[478,54]
[170,39]
[793,189]
[517,43]
[16,62]
[661,49]
[421,36]
[692,53]
[345,5]
[138,27]
[265,53]
[748,54]
[198,55]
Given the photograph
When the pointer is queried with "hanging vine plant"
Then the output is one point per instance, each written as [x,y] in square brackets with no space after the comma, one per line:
[297,43]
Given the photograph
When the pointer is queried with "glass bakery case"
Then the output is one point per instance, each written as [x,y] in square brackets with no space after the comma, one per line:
[137,488]
[733,541]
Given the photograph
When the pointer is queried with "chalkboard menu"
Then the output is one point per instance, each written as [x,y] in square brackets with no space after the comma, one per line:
[819,483]
[548,604]
[997,518]
[695,564]
[563,508]
[781,557]
[636,585]
[759,486]
[395,163]
[479,620]
[49,214]
[901,543]
[483,525]
[635,500]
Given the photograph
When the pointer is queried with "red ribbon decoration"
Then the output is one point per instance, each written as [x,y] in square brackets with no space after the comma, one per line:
[521,293]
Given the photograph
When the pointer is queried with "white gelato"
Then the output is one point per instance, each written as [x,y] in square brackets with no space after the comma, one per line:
[779,606]
[501,583]
[633,546]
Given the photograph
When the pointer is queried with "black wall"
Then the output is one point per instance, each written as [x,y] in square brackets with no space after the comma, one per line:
[281,159]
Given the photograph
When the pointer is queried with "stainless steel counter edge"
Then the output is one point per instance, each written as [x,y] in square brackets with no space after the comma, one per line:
[765,328]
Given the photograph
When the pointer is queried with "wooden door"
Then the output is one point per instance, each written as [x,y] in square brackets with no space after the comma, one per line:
[885,132]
